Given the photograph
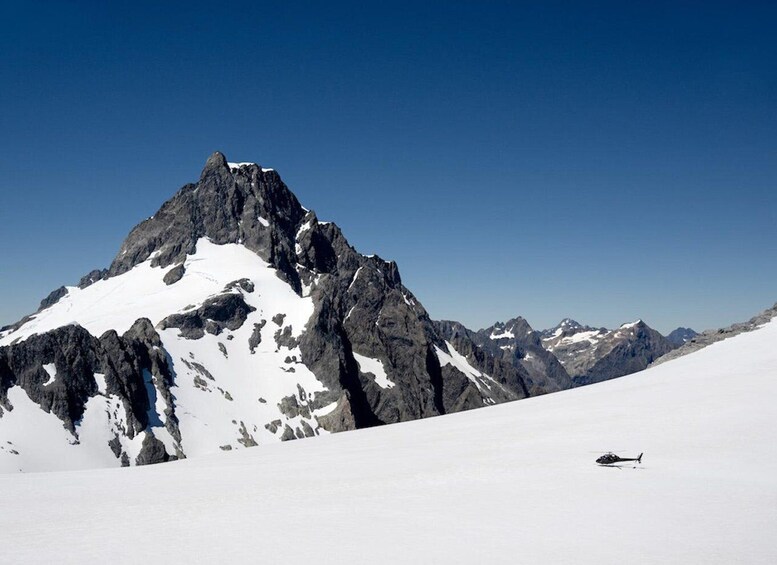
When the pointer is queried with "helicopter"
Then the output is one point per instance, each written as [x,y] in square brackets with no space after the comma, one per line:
[610,459]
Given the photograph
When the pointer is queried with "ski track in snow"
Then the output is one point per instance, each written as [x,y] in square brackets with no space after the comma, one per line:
[510,483]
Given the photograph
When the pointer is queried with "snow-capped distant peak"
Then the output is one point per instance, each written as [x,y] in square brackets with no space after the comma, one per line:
[631,324]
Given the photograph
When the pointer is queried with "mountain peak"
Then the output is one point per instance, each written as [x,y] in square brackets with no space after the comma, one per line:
[216,160]
[564,327]
[215,168]
[681,335]
[243,205]
[510,329]
[255,312]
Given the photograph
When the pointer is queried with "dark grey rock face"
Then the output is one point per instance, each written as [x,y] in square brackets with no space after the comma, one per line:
[681,336]
[7,380]
[227,206]
[244,284]
[288,433]
[174,275]
[76,356]
[228,311]
[52,298]
[152,451]
[92,277]
[256,336]
[362,307]
[341,418]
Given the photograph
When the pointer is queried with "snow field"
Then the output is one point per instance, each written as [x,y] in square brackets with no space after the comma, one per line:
[504,484]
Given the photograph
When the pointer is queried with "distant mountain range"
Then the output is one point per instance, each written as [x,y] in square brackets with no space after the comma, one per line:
[234,317]
[592,355]
[573,354]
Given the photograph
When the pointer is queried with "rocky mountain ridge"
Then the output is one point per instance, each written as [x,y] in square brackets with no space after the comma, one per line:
[708,337]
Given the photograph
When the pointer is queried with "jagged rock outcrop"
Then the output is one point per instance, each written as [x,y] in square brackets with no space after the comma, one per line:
[228,311]
[246,204]
[152,451]
[52,298]
[62,369]
[72,354]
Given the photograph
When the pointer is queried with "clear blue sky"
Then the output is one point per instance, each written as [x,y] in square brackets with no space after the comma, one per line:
[603,161]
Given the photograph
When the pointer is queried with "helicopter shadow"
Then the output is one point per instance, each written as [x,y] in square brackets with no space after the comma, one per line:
[623,466]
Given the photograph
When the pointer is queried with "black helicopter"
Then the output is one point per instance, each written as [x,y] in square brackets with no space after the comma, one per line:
[611,459]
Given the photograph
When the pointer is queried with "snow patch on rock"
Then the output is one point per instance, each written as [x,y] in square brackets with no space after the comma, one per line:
[374,366]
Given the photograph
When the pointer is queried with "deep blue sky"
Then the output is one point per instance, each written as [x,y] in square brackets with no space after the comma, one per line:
[603,161]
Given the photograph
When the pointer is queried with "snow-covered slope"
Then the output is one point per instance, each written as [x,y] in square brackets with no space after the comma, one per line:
[225,392]
[506,484]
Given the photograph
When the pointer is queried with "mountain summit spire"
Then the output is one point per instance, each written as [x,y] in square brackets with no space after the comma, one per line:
[215,162]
